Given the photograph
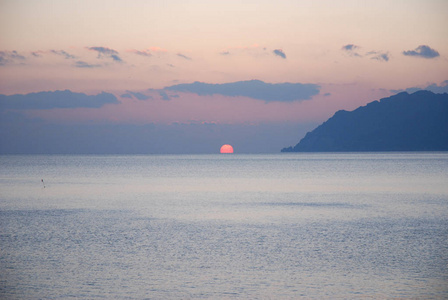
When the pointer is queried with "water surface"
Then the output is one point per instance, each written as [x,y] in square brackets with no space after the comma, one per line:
[347,225]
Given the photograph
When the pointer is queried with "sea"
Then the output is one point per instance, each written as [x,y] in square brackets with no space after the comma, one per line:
[224,226]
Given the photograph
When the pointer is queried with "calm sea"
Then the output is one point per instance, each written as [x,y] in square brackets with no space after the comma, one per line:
[334,226]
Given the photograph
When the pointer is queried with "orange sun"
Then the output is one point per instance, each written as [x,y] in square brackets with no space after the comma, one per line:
[226,149]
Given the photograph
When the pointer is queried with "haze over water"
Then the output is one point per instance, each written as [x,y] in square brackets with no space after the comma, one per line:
[336,226]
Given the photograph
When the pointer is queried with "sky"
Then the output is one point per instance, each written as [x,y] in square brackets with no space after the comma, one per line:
[189,76]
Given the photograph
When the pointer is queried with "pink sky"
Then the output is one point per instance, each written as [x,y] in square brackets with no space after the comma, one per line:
[356,51]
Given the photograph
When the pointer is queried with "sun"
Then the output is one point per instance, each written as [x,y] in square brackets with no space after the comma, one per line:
[226,149]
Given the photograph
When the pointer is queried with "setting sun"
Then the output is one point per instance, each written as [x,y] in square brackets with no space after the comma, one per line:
[226,149]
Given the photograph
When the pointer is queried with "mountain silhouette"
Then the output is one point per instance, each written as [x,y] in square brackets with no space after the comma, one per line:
[403,122]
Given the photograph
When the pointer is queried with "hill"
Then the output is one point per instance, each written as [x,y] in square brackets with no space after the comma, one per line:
[403,122]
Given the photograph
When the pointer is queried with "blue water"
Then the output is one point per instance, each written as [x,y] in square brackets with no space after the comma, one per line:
[334,226]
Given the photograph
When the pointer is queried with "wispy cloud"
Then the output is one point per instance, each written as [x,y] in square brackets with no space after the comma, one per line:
[435,88]
[37,53]
[279,52]
[349,47]
[106,52]
[184,56]
[149,52]
[145,53]
[157,49]
[103,51]
[10,57]
[354,51]
[137,95]
[164,95]
[256,89]
[83,64]
[62,53]
[253,50]
[351,50]
[422,51]
[381,56]
[116,58]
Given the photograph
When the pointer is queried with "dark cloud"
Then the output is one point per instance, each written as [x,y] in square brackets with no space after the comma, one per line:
[225,53]
[183,56]
[106,52]
[62,53]
[422,51]
[83,64]
[10,57]
[256,89]
[137,95]
[279,52]
[438,89]
[56,99]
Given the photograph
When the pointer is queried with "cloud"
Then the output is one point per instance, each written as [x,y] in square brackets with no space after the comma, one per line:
[83,64]
[103,51]
[349,47]
[62,53]
[106,52]
[3,60]
[36,53]
[116,58]
[256,89]
[10,57]
[381,56]
[149,52]
[279,52]
[139,96]
[350,50]
[164,95]
[56,99]
[183,56]
[252,50]
[438,89]
[422,51]
[127,95]
[145,53]
[157,49]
